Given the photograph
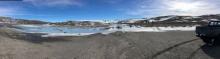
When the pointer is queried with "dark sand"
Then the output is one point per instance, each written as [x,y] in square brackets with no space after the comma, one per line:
[139,45]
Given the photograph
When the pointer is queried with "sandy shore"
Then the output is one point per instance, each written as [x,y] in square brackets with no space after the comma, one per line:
[134,45]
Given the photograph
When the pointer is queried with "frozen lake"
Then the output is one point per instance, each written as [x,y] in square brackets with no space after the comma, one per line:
[80,31]
[59,29]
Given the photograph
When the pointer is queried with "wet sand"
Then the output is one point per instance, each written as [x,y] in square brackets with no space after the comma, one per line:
[119,45]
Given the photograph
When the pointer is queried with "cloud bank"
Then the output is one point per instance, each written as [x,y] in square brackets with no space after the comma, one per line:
[176,7]
[7,11]
[54,2]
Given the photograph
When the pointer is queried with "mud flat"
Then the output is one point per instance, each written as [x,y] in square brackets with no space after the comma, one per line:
[119,45]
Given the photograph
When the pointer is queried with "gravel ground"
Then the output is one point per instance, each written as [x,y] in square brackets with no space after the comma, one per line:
[119,45]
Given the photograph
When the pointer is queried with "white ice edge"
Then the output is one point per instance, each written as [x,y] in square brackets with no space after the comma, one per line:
[66,34]
[33,25]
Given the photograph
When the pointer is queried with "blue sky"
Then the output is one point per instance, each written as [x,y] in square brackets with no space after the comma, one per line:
[63,10]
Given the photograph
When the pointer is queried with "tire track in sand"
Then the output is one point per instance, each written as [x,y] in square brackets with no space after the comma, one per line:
[170,48]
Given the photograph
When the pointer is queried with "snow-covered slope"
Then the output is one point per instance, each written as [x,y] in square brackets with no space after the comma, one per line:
[162,18]
[174,20]
[177,19]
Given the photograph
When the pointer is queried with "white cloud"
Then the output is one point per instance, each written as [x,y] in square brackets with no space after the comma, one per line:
[54,2]
[176,7]
[12,11]
[112,1]
[6,11]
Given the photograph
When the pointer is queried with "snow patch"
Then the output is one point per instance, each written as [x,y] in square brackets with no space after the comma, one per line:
[132,20]
[214,19]
[152,20]
[161,19]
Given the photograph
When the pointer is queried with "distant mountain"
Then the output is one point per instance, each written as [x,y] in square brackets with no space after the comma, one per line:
[23,21]
[174,20]
[10,20]
[80,23]
[203,18]
[215,17]
[6,20]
